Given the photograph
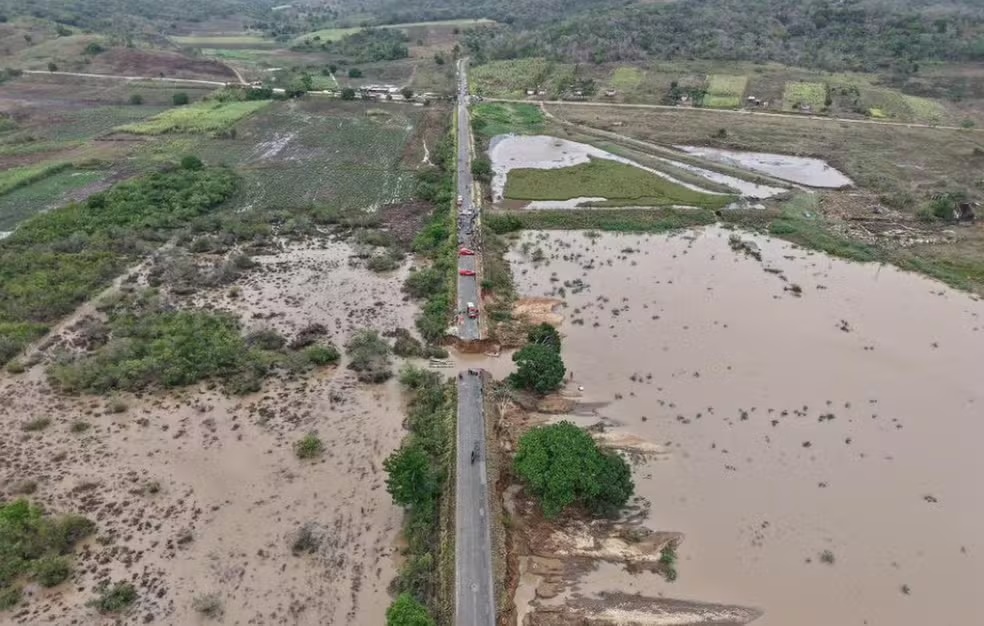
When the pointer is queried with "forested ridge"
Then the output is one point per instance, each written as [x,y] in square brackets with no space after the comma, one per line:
[850,35]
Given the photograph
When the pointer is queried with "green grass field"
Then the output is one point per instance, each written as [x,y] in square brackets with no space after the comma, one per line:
[725,91]
[621,184]
[491,119]
[48,192]
[626,78]
[797,95]
[17,177]
[203,117]
[221,41]
[334,34]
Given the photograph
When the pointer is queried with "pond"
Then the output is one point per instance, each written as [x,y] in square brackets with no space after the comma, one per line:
[802,170]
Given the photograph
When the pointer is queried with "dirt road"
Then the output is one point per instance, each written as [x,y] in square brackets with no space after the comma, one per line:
[158,79]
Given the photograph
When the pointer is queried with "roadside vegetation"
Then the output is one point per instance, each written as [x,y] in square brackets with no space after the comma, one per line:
[437,242]
[35,546]
[419,478]
[490,119]
[55,261]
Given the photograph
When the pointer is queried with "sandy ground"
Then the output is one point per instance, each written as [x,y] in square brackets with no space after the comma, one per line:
[196,493]
[839,414]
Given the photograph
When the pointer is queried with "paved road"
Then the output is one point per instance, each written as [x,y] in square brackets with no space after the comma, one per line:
[468,218]
[615,105]
[474,589]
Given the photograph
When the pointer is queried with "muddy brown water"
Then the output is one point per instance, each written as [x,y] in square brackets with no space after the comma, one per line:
[847,419]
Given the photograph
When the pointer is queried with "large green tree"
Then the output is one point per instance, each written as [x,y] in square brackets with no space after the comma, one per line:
[411,480]
[539,368]
[545,335]
[406,611]
[563,466]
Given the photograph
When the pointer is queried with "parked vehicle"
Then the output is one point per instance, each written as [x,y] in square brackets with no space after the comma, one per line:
[466,252]
[472,310]
[466,272]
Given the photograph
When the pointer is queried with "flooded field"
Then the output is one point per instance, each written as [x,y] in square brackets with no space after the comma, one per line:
[509,152]
[194,492]
[803,170]
[817,421]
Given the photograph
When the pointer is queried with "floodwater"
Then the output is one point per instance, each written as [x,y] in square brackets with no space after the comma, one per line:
[845,419]
[803,170]
[508,152]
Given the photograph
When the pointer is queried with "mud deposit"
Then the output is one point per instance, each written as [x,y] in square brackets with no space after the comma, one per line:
[818,421]
[803,170]
[197,493]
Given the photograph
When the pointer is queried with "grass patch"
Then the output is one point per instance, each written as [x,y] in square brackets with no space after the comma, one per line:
[201,118]
[54,261]
[798,95]
[725,91]
[220,41]
[35,545]
[620,183]
[624,220]
[512,78]
[114,599]
[309,447]
[17,177]
[925,110]
[36,425]
[25,201]
[490,119]
[626,78]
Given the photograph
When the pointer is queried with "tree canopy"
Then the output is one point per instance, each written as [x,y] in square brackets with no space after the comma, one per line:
[411,479]
[406,611]
[563,466]
[539,368]
[544,335]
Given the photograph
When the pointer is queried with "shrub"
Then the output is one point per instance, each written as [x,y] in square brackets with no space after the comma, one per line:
[411,478]
[369,356]
[136,99]
[191,162]
[827,557]
[309,447]
[406,611]
[562,466]
[52,570]
[114,599]
[266,339]
[209,605]
[9,597]
[354,72]
[406,345]
[307,540]
[80,427]
[36,424]
[117,406]
[347,93]
[180,99]
[539,368]
[322,355]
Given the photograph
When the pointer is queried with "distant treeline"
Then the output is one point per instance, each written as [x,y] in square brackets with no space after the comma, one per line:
[862,35]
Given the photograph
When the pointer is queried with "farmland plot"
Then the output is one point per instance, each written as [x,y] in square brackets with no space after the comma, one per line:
[298,154]
[204,117]
[52,191]
[799,95]
[725,91]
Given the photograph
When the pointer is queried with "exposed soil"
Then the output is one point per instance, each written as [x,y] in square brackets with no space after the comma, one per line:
[146,62]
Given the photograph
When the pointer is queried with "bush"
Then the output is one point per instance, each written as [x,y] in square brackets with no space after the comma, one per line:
[309,447]
[347,93]
[114,599]
[36,424]
[209,605]
[9,597]
[545,335]
[412,480]
[322,355]
[482,169]
[369,357]
[52,570]
[539,368]
[136,99]
[34,543]
[354,72]
[562,466]
[191,162]
[406,611]
[180,99]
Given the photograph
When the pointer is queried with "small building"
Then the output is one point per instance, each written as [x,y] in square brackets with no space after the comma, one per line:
[610,93]
[531,92]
